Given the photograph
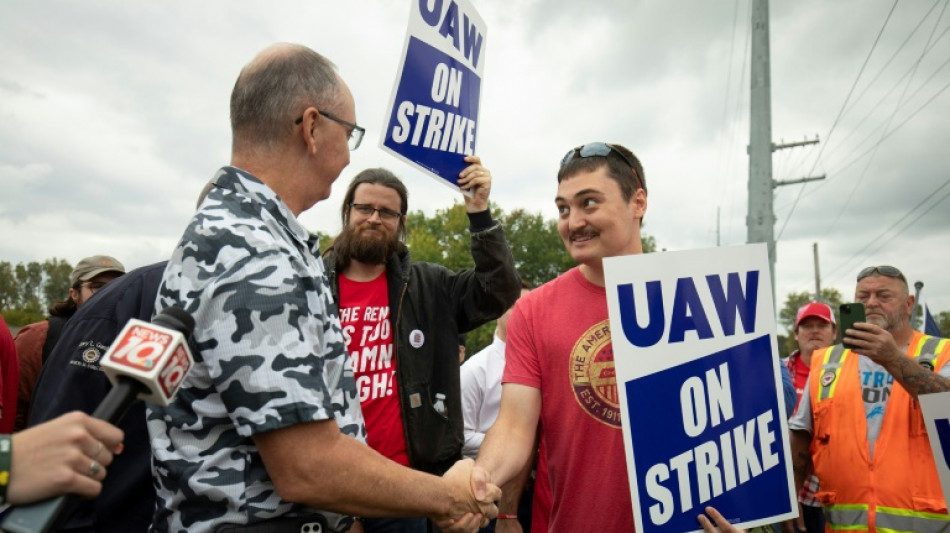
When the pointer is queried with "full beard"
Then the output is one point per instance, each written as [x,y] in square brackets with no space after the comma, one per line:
[359,244]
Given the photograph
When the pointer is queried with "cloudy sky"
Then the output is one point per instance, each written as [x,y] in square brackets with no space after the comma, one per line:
[114,114]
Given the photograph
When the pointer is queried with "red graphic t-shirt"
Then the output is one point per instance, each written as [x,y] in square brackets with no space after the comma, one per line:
[367,329]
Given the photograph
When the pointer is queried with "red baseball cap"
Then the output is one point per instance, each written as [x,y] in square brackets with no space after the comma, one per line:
[817,309]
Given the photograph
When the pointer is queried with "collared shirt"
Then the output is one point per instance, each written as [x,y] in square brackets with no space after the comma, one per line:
[271,355]
[481,393]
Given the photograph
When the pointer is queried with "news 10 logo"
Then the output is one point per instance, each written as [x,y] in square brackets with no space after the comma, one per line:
[175,371]
[155,356]
[141,348]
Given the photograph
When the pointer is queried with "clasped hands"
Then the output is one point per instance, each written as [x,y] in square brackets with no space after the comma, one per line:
[473,498]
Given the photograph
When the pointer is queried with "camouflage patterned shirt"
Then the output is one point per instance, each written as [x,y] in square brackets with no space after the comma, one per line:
[270,355]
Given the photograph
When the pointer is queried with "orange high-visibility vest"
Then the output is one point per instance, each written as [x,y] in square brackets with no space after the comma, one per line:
[896,491]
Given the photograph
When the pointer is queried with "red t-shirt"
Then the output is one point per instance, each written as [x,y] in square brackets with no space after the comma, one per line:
[799,371]
[9,378]
[559,342]
[367,329]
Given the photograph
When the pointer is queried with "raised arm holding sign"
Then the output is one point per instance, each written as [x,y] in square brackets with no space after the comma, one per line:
[433,114]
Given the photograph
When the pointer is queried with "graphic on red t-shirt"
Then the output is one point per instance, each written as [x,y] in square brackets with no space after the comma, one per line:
[367,330]
[593,375]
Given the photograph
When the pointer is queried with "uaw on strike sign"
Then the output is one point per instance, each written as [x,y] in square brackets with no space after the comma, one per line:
[432,120]
[700,390]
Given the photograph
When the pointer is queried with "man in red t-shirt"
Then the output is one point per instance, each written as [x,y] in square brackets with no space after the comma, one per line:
[560,366]
[401,320]
[814,329]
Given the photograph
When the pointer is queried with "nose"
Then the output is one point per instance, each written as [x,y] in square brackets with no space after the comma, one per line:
[576,220]
[375,218]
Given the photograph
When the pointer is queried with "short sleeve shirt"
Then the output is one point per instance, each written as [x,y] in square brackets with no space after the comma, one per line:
[270,355]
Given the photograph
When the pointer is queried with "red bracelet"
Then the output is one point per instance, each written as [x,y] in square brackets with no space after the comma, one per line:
[507,516]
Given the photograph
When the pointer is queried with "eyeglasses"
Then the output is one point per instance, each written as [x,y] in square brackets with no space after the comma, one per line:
[599,149]
[384,213]
[883,270]
[93,286]
[355,136]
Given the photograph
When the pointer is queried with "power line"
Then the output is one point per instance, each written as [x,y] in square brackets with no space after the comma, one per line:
[890,227]
[838,118]
[740,99]
[890,119]
[874,108]
[891,132]
[725,155]
[894,55]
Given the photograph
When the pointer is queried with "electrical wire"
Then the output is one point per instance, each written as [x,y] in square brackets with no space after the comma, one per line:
[890,227]
[838,118]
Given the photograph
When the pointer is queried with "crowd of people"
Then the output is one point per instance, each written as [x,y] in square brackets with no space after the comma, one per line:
[327,391]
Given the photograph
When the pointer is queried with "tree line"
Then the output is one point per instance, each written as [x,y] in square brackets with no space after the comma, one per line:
[28,289]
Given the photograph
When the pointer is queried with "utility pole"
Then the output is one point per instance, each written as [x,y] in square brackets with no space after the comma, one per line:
[817,274]
[760,220]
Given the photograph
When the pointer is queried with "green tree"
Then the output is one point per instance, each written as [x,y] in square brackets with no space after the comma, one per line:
[29,279]
[793,301]
[943,322]
[8,288]
[535,245]
[56,285]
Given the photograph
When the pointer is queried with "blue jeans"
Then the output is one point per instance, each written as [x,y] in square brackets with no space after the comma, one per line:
[394,525]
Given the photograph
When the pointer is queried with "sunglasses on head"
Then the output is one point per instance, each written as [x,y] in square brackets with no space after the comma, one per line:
[599,149]
[883,270]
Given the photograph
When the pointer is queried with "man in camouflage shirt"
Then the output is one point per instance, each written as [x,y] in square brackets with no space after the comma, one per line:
[267,426]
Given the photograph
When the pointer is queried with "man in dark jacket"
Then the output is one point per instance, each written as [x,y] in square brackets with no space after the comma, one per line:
[72,380]
[35,341]
[401,319]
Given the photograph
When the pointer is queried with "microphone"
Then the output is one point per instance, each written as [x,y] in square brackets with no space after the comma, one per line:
[148,360]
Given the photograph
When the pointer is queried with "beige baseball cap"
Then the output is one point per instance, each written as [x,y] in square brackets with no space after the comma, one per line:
[91,267]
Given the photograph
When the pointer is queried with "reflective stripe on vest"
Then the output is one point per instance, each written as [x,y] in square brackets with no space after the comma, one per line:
[896,520]
[847,517]
[928,350]
[830,371]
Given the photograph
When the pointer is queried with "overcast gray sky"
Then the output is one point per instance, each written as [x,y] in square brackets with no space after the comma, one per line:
[114,114]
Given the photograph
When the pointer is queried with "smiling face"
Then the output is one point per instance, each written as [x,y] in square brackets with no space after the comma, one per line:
[594,221]
[886,302]
[372,238]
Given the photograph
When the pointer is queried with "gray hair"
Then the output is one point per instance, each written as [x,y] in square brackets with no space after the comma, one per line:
[274,88]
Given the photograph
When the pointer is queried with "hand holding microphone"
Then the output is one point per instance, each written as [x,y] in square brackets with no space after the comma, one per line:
[147,360]
[66,454]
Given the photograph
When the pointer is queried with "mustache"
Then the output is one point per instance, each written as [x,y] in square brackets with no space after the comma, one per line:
[579,234]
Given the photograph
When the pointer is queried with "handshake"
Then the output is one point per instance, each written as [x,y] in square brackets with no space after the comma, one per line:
[472,498]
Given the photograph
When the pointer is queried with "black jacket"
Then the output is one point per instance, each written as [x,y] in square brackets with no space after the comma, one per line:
[441,304]
[72,380]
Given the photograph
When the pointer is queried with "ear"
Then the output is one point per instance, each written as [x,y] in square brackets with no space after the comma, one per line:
[639,202]
[309,131]
[74,295]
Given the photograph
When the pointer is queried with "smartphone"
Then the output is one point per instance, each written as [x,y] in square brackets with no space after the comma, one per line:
[849,314]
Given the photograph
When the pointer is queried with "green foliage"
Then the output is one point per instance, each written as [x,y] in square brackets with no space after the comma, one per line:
[20,317]
[57,273]
[28,289]
[8,286]
[29,277]
[793,301]
[535,245]
[942,319]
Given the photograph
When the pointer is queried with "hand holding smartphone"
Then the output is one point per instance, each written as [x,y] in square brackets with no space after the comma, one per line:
[849,314]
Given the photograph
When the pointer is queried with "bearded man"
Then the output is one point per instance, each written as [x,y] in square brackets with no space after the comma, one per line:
[401,319]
